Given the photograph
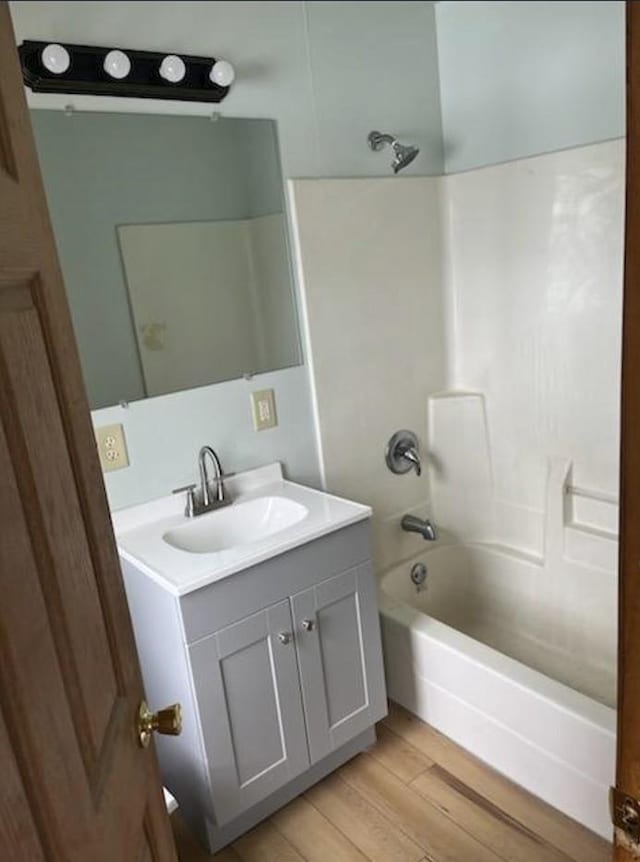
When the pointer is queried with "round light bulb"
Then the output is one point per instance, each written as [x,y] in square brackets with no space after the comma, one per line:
[172,68]
[117,64]
[56,59]
[222,73]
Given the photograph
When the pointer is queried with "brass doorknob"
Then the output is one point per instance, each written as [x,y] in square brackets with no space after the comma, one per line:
[167,721]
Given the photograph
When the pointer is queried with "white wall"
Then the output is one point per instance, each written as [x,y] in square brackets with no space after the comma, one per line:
[370,251]
[527,77]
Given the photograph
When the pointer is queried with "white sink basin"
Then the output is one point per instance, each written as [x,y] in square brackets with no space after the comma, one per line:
[268,516]
[236,525]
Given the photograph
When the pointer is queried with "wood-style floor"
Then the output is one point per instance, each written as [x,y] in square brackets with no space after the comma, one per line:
[413,797]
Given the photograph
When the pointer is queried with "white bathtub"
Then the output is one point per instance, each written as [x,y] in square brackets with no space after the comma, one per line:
[501,676]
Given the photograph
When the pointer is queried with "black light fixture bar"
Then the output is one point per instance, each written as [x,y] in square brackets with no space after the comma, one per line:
[86,75]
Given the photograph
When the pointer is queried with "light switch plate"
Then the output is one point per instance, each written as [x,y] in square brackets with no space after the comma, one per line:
[112,448]
[263,405]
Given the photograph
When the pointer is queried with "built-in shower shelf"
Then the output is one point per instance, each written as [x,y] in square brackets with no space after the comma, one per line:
[601,496]
[591,527]
[591,547]
[595,532]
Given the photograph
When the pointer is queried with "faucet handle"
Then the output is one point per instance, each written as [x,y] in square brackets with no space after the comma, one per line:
[191,500]
[410,453]
[184,488]
[403,453]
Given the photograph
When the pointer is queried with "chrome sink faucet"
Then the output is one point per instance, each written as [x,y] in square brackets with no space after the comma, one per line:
[204,478]
[202,499]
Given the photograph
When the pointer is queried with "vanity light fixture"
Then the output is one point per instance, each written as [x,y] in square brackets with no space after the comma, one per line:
[117,64]
[173,69]
[55,58]
[92,70]
[222,73]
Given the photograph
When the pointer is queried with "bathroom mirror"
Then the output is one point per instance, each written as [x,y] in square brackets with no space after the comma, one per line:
[172,238]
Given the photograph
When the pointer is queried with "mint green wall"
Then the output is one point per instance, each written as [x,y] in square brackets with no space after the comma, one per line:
[327,73]
[517,78]
[514,78]
[522,78]
[373,66]
[164,435]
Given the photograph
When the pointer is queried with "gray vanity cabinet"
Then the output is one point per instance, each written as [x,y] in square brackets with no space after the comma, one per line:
[279,671]
[336,637]
[265,716]
[248,696]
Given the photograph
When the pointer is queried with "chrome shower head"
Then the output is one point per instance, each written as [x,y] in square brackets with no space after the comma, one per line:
[403,155]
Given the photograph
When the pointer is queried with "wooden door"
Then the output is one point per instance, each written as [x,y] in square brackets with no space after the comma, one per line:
[248,693]
[628,765]
[74,783]
[338,644]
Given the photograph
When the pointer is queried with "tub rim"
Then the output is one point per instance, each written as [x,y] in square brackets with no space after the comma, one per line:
[526,678]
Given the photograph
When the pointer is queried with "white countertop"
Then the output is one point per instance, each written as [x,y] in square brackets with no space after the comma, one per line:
[139,531]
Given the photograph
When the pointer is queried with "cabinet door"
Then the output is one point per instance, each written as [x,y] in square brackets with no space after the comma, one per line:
[248,693]
[340,657]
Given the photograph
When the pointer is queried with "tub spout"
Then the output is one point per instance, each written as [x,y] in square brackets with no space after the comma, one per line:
[418,525]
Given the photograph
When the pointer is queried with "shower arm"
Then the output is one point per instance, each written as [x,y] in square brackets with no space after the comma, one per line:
[377,140]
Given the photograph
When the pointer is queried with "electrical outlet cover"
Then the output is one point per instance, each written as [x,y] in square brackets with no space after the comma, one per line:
[112,448]
[263,405]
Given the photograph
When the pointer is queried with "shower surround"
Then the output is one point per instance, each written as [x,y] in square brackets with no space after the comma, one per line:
[535,309]
[483,311]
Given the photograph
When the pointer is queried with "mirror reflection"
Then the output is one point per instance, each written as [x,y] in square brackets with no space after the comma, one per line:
[172,238]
